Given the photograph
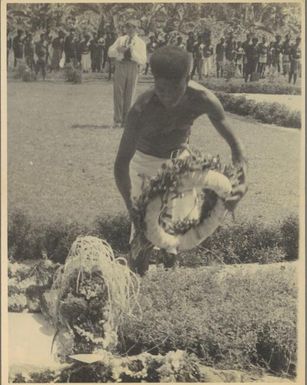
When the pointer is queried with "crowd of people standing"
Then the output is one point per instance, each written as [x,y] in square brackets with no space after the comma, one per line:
[251,58]
[51,52]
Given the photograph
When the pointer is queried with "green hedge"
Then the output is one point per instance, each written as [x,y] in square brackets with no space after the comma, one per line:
[272,113]
[230,317]
[260,87]
[241,243]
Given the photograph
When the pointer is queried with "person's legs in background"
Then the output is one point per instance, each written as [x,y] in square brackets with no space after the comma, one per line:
[131,80]
[119,85]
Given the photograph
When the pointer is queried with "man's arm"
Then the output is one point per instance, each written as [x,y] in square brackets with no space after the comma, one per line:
[138,51]
[113,49]
[127,148]
[217,116]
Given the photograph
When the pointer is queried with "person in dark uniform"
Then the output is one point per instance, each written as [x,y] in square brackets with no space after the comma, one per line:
[58,47]
[29,50]
[246,44]
[18,47]
[295,60]
[286,47]
[70,47]
[151,46]
[263,57]
[220,57]
[158,127]
[277,53]
[109,41]
[190,46]
[230,49]
[41,53]
[197,57]
[252,57]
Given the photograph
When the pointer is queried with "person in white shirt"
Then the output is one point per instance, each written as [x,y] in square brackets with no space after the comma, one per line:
[129,51]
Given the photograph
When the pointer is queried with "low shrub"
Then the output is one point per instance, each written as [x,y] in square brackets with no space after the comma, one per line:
[247,243]
[24,240]
[272,113]
[290,237]
[221,315]
[241,243]
[115,230]
[260,87]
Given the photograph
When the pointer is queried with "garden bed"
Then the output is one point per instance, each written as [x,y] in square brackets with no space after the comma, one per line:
[276,86]
[265,112]
[217,316]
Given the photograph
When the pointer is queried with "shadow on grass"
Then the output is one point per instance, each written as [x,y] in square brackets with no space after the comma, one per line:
[95,126]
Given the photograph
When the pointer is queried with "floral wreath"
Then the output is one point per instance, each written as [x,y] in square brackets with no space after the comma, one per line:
[212,183]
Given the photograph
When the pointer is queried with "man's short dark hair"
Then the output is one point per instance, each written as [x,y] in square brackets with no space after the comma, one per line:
[170,63]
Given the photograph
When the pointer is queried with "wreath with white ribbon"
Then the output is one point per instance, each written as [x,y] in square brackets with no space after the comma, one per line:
[185,202]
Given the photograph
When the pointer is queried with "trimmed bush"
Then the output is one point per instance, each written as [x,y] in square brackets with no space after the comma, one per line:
[242,243]
[272,113]
[220,314]
[260,87]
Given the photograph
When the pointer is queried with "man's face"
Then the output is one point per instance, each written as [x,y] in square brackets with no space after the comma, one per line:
[170,91]
[130,29]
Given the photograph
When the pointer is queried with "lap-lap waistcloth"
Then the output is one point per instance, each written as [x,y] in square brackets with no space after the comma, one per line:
[147,165]
[125,79]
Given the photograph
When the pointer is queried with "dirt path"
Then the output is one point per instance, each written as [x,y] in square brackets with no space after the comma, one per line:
[61,152]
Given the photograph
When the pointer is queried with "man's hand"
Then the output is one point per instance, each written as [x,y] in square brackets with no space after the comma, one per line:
[238,191]
[122,49]
[236,195]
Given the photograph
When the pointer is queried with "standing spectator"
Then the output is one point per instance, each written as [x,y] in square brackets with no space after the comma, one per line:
[109,40]
[295,60]
[18,47]
[270,55]
[41,53]
[129,51]
[189,47]
[286,46]
[263,57]
[96,49]
[245,45]
[277,53]
[220,57]
[198,57]
[230,49]
[85,53]
[239,54]
[29,50]
[150,48]
[207,57]
[9,45]
[78,40]
[70,47]
[58,47]
[252,59]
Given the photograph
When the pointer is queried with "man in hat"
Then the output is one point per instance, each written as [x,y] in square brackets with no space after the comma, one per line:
[129,51]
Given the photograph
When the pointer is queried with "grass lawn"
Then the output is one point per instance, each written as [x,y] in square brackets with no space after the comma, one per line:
[61,152]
